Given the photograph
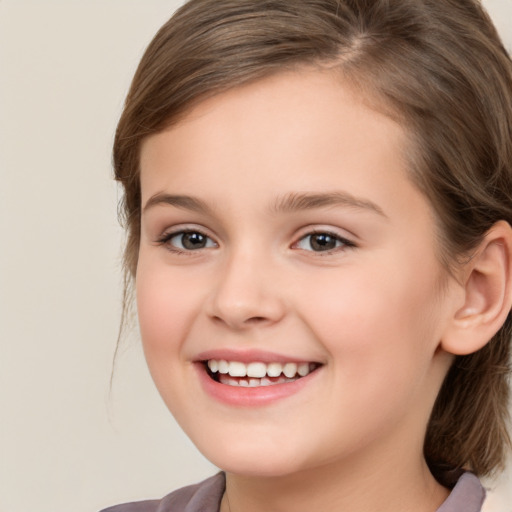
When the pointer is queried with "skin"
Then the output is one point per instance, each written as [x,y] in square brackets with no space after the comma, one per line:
[372,311]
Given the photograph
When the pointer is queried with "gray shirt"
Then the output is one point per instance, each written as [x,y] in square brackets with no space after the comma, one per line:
[467,496]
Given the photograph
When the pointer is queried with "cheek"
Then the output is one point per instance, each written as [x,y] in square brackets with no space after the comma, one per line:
[379,336]
[378,320]
[165,303]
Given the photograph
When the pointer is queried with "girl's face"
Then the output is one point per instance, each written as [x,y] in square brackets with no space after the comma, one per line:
[280,233]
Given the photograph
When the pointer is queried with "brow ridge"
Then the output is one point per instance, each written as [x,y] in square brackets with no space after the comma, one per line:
[307,201]
[289,203]
[179,201]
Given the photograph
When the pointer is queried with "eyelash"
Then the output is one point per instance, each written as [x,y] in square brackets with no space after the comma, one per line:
[344,243]
[166,238]
[341,242]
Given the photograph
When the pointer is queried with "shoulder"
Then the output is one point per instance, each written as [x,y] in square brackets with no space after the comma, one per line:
[468,495]
[202,497]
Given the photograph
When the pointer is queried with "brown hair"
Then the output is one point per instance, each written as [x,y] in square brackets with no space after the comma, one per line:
[439,67]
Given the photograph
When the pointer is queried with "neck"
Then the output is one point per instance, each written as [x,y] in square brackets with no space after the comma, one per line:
[353,486]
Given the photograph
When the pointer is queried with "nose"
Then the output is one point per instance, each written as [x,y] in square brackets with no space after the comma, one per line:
[246,293]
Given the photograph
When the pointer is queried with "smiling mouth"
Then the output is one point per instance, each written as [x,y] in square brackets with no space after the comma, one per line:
[257,374]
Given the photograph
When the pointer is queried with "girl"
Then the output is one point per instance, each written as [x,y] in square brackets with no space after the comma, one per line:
[318,197]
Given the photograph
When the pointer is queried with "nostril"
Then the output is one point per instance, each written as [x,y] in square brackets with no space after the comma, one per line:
[255,320]
[251,321]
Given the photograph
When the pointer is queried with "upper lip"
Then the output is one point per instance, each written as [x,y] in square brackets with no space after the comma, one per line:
[249,356]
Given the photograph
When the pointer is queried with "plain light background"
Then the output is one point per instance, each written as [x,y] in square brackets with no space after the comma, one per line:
[66,441]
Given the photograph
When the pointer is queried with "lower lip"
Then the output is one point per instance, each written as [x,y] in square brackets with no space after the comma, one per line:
[251,397]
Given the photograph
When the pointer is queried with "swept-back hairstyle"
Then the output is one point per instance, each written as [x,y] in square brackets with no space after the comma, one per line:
[438,67]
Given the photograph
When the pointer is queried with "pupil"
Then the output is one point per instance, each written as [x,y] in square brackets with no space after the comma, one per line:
[193,240]
[322,242]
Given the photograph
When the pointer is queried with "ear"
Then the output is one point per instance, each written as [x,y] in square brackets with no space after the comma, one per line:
[487,294]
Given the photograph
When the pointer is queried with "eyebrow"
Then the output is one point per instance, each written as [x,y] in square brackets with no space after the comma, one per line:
[179,201]
[308,201]
[287,204]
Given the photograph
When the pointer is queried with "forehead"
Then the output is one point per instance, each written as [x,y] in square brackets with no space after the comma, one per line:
[298,120]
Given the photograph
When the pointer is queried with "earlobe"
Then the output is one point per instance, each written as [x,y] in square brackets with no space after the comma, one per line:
[487,288]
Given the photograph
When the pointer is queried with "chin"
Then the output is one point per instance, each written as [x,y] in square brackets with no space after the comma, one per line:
[253,460]
[260,469]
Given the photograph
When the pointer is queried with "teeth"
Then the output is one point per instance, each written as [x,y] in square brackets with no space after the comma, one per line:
[258,370]
[258,373]
[290,369]
[252,383]
[274,369]
[303,369]
[223,367]
[213,365]
[237,369]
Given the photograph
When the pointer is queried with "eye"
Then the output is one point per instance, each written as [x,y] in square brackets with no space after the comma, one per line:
[322,242]
[187,241]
